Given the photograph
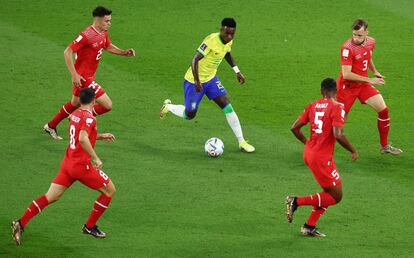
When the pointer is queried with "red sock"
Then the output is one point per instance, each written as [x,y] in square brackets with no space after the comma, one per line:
[34,208]
[64,112]
[383,126]
[99,110]
[99,208]
[322,199]
[315,215]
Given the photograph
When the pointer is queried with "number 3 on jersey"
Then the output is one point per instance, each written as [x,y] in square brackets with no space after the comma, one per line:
[318,122]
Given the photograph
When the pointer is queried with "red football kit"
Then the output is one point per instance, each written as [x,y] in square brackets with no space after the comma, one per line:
[89,47]
[323,115]
[76,164]
[359,57]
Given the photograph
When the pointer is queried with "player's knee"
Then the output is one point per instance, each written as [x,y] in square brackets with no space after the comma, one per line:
[190,115]
[52,197]
[338,198]
[108,105]
[110,190]
[75,103]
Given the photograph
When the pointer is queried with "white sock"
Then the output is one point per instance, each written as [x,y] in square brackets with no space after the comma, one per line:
[177,110]
[234,123]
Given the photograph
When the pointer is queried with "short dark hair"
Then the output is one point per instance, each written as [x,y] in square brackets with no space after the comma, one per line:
[228,22]
[359,23]
[101,11]
[86,95]
[328,84]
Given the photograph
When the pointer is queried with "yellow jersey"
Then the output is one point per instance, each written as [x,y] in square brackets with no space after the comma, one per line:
[213,50]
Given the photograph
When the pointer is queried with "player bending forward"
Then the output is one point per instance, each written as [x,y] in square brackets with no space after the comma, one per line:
[353,81]
[201,79]
[89,47]
[77,165]
[326,118]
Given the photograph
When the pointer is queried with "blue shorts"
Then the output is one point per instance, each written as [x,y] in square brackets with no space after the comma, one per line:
[213,89]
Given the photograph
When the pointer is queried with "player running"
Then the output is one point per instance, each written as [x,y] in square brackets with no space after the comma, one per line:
[353,81]
[77,165]
[201,79]
[326,118]
[89,47]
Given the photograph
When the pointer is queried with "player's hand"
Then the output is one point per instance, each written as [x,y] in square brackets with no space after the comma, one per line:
[378,75]
[130,52]
[97,163]
[240,78]
[107,137]
[198,87]
[377,81]
[77,79]
[354,155]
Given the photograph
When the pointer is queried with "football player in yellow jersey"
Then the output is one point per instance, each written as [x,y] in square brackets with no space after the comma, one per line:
[201,79]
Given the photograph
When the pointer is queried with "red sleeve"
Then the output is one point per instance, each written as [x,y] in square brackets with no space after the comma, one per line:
[304,117]
[79,42]
[346,56]
[87,124]
[338,116]
[108,41]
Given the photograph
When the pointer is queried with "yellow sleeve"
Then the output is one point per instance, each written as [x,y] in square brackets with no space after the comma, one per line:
[205,47]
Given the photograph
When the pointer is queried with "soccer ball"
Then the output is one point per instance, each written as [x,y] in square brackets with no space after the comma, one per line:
[214,147]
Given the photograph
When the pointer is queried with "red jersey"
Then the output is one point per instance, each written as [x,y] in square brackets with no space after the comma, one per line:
[323,115]
[89,46]
[358,56]
[81,119]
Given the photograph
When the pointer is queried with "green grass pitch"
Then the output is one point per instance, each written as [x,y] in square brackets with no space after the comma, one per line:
[172,200]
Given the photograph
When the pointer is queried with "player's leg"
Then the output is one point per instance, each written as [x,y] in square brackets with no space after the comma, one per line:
[99,207]
[104,105]
[326,174]
[233,120]
[377,103]
[63,113]
[191,101]
[53,194]
[97,180]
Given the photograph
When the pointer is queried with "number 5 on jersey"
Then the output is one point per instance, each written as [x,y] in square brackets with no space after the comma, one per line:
[318,122]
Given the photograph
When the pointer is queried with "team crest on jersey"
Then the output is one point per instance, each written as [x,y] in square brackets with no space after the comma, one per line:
[358,57]
[74,118]
[89,121]
[203,46]
[95,44]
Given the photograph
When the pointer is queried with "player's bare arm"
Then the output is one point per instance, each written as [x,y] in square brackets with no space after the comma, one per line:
[341,138]
[296,130]
[374,70]
[87,146]
[106,136]
[240,77]
[76,78]
[350,76]
[194,68]
[117,51]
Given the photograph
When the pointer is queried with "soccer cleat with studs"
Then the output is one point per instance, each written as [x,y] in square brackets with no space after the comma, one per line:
[244,146]
[291,207]
[95,231]
[52,132]
[389,149]
[164,109]
[17,231]
[311,231]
